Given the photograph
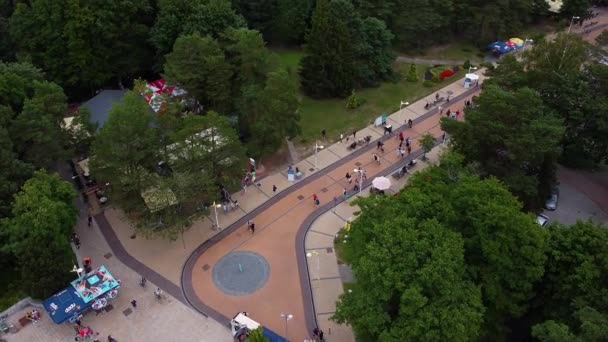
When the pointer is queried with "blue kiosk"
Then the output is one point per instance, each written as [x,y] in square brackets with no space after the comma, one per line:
[94,290]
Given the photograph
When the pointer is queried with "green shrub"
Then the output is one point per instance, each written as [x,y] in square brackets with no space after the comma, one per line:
[467,64]
[412,74]
[354,101]
[428,84]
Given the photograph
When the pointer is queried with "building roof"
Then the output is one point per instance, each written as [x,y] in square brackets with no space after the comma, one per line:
[100,105]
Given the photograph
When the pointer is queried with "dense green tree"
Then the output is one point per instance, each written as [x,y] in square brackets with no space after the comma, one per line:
[574,8]
[36,131]
[258,13]
[374,55]
[427,141]
[292,21]
[17,83]
[185,17]
[246,51]
[503,247]
[257,335]
[518,144]
[209,144]
[411,281]
[82,44]
[551,331]
[43,215]
[274,114]
[13,172]
[419,23]
[576,271]
[125,146]
[329,67]
[198,65]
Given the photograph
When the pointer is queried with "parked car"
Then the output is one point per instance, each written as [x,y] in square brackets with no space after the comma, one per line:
[542,219]
[551,203]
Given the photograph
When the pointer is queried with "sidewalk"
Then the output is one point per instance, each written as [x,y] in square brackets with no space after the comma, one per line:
[326,275]
[152,320]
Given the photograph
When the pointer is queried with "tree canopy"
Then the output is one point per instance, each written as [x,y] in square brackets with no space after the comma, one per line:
[503,248]
[514,142]
[37,233]
[199,66]
[81,44]
[185,17]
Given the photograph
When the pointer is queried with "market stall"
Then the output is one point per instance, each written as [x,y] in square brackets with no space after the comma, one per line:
[93,290]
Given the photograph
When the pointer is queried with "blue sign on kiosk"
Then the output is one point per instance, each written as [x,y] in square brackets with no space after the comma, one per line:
[92,290]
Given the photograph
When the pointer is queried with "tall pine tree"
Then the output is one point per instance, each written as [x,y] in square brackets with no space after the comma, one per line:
[329,69]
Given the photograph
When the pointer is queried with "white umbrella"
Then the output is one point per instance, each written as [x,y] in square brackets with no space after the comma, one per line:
[381,183]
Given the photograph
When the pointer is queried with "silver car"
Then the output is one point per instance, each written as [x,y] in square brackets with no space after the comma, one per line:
[551,203]
[542,219]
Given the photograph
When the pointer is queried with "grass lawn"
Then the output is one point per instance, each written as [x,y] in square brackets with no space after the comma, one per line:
[332,115]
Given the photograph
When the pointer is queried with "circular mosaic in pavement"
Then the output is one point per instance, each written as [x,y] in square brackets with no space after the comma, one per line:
[240,273]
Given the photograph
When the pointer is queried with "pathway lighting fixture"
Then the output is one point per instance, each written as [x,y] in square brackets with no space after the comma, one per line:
[315,253]
[286,317]
[317,148]
[572,21]
[217,221]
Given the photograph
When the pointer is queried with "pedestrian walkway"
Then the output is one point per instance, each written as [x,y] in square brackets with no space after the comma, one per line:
[326,276]
[166,320]
[282,222]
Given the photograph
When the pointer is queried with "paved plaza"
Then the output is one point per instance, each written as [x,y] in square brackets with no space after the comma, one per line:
[166,320]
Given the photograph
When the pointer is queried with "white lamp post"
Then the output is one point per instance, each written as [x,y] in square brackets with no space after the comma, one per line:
[360,172]
[78,271]
[472,68]
[309,255]
[572,21]
[317,148]
[403,104]
[286,317]
[217,221]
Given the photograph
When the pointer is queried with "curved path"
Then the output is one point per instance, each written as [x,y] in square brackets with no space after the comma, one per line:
[281,226]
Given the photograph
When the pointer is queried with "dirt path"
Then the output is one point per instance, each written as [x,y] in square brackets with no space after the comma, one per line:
[425,61]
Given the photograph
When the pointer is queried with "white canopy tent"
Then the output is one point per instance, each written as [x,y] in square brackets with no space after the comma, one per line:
[470,80]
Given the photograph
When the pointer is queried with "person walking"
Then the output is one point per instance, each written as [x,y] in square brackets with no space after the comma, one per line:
[354,134]
[345,194]
[134,303]
[341,137]
[349,178]
[407,141]
[252,228]
[378,145]
[111,339]
[90,220]
[443,137]
[402,152]
[410,123]
[323,133]
[409,149]
[315,199]
[274,189]
[376,158]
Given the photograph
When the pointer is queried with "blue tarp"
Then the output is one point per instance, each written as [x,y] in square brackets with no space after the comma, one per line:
[501,47]
[273,337]
[81,295]
[64,305]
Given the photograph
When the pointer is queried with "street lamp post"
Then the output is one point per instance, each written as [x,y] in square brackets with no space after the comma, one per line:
[572,21]
[317,148]
[472,68]
[360,172]
[403,104]
[309,255]
[286,317]
[78,271]
[217,221]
